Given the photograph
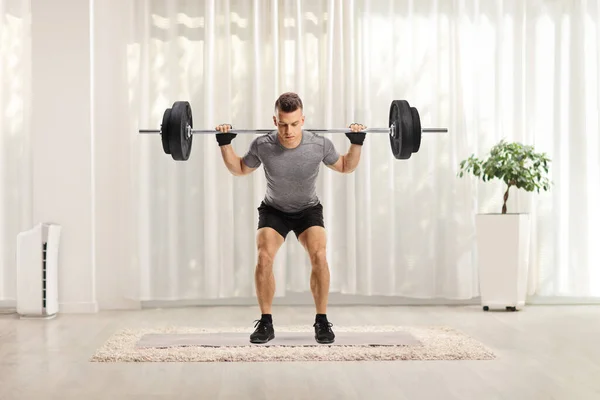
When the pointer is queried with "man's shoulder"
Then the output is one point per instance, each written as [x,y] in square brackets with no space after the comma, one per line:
[266,138]
[313,137]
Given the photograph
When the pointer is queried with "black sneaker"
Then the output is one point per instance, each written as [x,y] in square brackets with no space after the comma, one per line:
[323,332]
[263,333]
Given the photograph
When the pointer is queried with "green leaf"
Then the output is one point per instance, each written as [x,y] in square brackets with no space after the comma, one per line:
[513,163]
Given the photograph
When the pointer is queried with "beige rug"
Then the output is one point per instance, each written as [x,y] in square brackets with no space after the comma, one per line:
[432,343]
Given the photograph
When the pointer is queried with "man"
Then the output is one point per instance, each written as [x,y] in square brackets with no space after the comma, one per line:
[291,158]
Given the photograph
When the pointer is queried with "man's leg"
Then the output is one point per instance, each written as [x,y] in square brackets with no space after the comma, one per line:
[314,240]
[268,242]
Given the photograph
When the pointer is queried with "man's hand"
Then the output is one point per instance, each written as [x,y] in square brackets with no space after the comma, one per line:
[354,136]
[224,137]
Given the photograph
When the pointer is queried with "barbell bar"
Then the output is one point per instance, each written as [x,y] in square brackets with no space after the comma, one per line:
[264,131]
[404,130]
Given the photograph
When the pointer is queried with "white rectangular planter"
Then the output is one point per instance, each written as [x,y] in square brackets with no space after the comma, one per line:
[503,253]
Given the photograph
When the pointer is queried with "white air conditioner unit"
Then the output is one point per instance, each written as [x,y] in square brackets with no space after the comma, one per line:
[37,271]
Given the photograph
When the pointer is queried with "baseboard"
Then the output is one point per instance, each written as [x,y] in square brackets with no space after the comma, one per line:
[337,299]
[90,307]
[8,304]
[8,307]
[119,305]
[305,299]
[562,300]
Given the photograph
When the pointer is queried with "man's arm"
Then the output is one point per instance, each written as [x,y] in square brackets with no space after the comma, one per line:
[348,162]
[234,163]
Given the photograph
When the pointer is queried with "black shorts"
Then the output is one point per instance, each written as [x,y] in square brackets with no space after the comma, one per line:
[284,222]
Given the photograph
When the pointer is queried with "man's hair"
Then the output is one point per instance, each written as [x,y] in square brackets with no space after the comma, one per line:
[288,102]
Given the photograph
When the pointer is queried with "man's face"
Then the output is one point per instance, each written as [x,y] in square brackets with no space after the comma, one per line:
[289,126]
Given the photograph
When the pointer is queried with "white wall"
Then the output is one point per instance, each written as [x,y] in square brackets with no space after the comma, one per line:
[62,142]
[80,166]
[112,149]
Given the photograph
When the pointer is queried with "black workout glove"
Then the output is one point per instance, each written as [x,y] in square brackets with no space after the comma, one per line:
[225,138]
[356,137]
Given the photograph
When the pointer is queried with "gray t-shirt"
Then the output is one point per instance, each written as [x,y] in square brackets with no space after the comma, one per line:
[291,173]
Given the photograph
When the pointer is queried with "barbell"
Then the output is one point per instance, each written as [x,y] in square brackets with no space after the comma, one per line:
[404,130]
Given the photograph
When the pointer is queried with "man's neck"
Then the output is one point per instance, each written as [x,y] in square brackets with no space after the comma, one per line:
[291,145]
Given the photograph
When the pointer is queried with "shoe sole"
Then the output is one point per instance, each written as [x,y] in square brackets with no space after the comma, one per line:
[262,341]
[325,341]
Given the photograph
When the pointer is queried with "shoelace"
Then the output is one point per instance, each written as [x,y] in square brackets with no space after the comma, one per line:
[321,326]
[260,324]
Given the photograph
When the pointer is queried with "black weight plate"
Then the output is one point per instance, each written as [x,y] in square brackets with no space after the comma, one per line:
[400,116]
[396,138]
[416,119]
[408,140]
[179,142]
[164,131]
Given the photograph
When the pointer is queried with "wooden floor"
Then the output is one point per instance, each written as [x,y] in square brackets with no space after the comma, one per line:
[544,352]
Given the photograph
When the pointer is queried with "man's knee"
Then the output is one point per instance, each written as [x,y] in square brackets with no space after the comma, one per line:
[318,257]
[265,260]
[268,242]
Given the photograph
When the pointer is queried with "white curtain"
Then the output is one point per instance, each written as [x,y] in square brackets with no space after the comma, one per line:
[524,71]
[15,161]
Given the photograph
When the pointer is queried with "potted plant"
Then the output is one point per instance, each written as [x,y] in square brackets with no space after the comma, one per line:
[503,238]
